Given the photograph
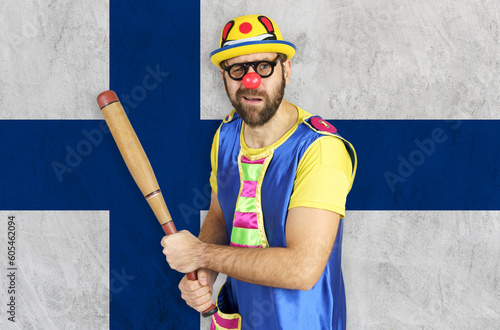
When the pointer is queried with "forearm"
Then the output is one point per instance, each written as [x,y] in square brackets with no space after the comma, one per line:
[299,265]
[213,230]
[277,267]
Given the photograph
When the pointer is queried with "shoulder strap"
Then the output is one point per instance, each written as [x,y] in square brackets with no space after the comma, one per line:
[230,117]
[321,126]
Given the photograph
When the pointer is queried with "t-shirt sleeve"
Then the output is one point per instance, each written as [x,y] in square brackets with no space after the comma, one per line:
[213,160]
[324,176]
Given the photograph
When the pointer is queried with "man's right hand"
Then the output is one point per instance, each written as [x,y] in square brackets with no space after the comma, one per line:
[198,294]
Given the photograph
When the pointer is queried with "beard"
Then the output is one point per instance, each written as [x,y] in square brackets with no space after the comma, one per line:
[252,115]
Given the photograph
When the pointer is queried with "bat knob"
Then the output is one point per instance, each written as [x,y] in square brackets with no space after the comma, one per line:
[210,312]
[106,98]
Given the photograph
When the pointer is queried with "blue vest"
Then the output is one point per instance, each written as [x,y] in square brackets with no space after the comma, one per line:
[262,307]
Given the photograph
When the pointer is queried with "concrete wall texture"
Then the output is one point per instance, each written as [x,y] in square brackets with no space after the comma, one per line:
[359,59]
[356,59]
[61,267]
[54,58]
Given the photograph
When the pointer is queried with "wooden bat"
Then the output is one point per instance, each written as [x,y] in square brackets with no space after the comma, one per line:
[138,164]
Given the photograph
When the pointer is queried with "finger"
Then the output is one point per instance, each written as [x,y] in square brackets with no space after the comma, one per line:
[164,241]
[202,277]
[203,307]
[195,294]
[189,286]
[196,298]
[201,303]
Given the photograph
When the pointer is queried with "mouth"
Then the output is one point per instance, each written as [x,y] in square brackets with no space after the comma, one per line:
[252,99]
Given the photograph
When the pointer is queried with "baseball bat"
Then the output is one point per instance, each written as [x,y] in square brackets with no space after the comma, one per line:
[138,164]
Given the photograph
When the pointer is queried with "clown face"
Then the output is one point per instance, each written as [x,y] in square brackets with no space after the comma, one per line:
[258,105]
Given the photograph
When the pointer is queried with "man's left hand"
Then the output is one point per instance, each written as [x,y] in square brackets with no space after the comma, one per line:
[183,251]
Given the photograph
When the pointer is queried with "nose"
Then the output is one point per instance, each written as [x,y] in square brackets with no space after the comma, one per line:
[252,80]
[250,68]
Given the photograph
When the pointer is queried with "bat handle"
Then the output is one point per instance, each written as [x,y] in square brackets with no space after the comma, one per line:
[169,228]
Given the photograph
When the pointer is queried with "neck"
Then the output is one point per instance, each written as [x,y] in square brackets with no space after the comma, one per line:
[274,129]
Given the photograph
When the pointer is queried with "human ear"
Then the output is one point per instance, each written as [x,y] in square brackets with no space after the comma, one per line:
[287,66]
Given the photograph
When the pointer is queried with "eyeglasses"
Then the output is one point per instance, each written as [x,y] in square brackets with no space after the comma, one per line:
[263,68]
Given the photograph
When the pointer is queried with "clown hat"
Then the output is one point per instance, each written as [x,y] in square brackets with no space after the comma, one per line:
[248,35]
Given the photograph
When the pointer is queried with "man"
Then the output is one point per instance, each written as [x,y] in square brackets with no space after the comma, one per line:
[280,178]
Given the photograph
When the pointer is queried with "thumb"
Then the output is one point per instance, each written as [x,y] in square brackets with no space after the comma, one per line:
[203,278]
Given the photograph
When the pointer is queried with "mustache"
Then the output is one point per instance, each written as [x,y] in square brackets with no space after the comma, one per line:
[250,92]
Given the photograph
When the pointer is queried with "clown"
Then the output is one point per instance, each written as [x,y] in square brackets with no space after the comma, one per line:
[280,178]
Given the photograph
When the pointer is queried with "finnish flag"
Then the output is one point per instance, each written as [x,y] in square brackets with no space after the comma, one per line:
[413,87]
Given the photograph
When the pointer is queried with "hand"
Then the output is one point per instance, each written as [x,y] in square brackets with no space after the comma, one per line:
[198,294]
[183,251]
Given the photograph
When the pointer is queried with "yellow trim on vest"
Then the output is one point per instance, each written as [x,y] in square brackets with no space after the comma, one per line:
[224,315]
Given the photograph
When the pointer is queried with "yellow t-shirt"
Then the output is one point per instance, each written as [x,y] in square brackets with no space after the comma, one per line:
[324,174]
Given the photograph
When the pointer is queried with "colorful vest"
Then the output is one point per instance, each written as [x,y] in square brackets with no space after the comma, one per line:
[254,194]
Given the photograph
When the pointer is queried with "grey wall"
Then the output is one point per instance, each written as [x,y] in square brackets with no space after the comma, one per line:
[61,269]
[363,59]
[422,269]
[54,58]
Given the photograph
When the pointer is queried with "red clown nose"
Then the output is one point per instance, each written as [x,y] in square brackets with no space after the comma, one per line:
[251,80]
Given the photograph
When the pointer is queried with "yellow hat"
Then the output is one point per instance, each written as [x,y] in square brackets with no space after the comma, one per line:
[248,35]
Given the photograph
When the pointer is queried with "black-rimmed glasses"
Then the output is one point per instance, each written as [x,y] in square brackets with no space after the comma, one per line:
[263,68]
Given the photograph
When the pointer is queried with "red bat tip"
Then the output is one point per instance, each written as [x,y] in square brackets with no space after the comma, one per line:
[106,98]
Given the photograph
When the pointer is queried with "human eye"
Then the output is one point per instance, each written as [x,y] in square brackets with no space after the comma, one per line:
[237,68]
[264,65]
[237,71]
